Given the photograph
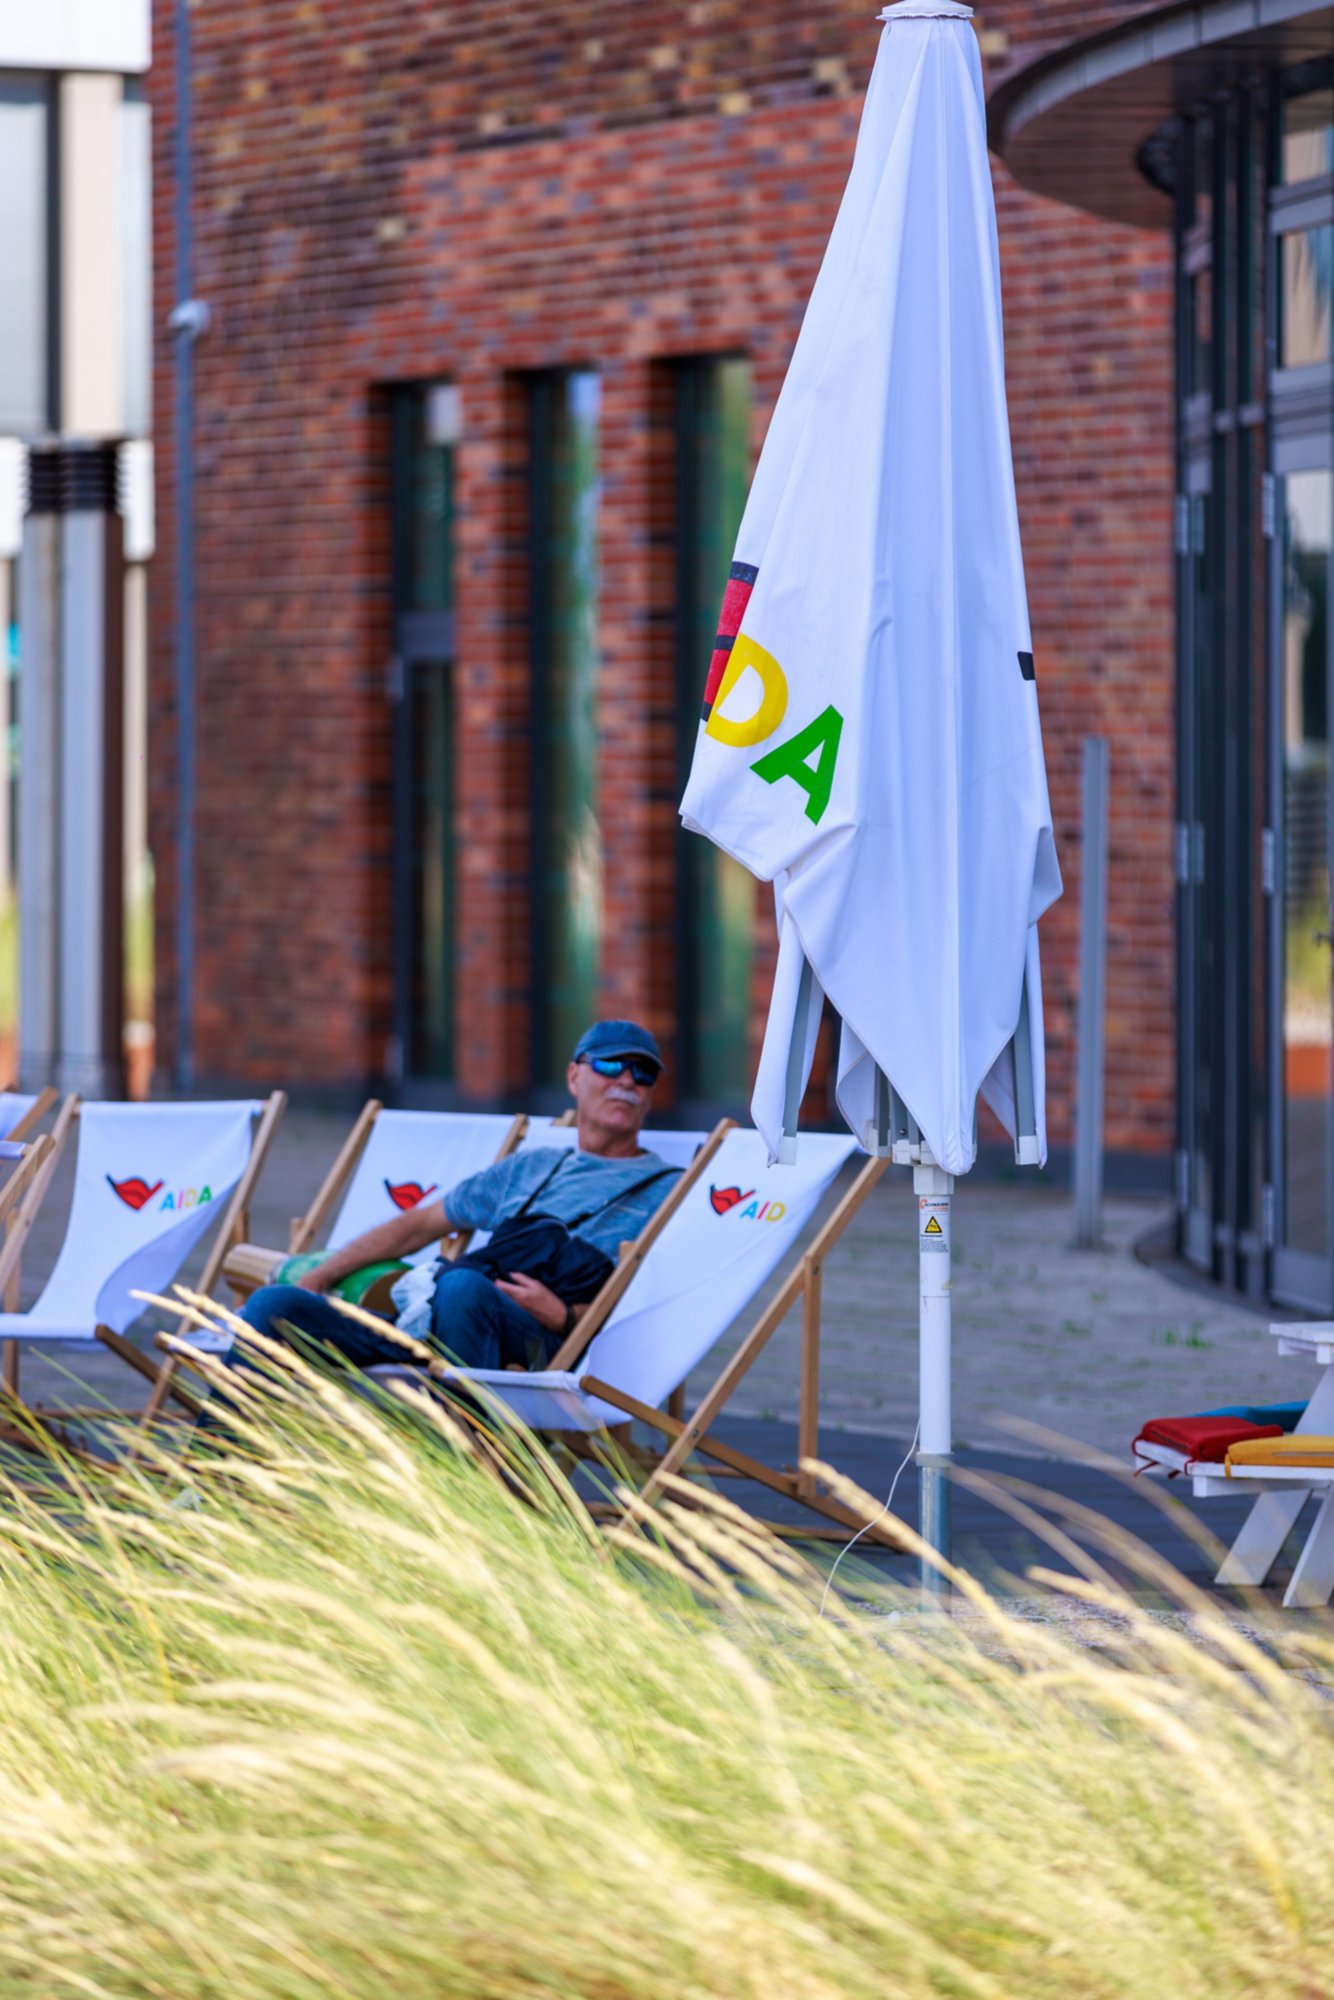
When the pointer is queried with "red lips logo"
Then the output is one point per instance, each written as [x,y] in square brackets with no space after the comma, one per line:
[135,1192]
[725,1198]
[406,1194]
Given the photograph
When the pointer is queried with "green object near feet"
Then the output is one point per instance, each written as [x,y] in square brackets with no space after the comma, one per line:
[369,1287]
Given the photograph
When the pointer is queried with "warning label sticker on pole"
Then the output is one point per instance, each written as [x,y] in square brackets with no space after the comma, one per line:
[933,1229]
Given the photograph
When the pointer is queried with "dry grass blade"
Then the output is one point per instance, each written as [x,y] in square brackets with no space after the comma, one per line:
[386,1714]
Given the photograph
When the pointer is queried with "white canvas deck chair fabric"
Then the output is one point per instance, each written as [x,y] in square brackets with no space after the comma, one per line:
[732,1224]
[390,1162]
[21,1114]
[417,1156]
[151,1182]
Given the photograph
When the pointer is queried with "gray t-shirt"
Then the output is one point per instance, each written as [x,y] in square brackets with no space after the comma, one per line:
[624,1193]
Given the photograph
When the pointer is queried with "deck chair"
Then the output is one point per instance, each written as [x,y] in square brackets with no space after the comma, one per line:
[720,1235]
[20,1115]
[390,1161]
[151,1182]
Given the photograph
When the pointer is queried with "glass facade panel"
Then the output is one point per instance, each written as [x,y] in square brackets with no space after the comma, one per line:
[567,834]
[425,425]
[1202,333]
[716,910]
[1224,775]
[1306,297]
[1307,149]
[1308,557]
[1255,549]
[429,550]
[1204,997]
[137,257]
[23,257]
[431,859]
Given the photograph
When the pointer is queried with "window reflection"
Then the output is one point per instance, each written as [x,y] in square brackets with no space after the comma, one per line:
[1202,308]
[568,872]
[23,252]
[426,425]
[1308,130]
[1306,267]
[1308,550]
[717,893]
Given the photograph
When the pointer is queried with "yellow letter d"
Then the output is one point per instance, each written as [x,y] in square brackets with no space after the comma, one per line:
[773,699]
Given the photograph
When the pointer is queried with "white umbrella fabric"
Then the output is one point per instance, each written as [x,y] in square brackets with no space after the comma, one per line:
[870,740]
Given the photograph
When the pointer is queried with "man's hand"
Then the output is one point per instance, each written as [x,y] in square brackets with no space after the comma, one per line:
[535,1298]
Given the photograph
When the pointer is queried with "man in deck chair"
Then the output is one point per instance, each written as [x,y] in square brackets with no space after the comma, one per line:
[557,1214]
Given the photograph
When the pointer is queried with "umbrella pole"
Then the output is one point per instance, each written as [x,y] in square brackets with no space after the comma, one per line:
[933,1188]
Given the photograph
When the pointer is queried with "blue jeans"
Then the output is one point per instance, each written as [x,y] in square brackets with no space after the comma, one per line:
[471,1323]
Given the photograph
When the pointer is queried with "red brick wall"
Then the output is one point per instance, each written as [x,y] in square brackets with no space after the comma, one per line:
[389,189]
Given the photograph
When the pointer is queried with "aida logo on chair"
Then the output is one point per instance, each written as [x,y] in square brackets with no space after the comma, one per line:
[136,1193]
[407,1194]
[748,1206]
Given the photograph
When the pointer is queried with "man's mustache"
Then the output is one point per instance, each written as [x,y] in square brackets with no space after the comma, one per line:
[623,1096]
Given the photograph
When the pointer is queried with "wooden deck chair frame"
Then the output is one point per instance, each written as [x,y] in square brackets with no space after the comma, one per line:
[21,1215]
[247,1266]
[33,1116]
[231,1228]
[689,1440]
[23,1131]
[692,1451]
[632,1256]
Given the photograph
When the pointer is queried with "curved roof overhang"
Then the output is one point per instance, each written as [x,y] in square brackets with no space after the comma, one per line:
[1072,124]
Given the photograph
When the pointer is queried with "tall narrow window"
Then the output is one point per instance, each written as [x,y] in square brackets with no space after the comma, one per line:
[25,139]
[567,835]
[426,424]
[715,895]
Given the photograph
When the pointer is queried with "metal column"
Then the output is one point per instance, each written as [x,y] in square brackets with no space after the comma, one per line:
[71,947]
[90,937]
[39,785]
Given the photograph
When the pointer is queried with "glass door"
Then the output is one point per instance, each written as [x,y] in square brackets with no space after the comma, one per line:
[1304,561]
[1301,320]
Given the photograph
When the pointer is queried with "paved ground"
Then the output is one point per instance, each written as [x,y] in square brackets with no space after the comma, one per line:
[1084,1344]
[1080,1345]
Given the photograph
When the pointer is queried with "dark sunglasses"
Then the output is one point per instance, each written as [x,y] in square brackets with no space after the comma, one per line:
[642,1068]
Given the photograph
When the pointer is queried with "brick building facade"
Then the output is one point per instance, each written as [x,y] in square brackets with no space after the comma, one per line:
[405,193]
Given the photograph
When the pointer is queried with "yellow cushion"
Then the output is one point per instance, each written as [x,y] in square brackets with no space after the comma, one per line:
[1297,1449]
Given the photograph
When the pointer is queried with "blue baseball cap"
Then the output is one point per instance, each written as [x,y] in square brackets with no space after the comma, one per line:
[618,1038]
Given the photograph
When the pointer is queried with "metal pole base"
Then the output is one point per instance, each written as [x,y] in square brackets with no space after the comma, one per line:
[935,1523]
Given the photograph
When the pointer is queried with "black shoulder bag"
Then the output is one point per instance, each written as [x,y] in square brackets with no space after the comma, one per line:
[545,1248]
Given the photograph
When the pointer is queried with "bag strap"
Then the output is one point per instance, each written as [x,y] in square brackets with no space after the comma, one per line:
[624,1194]
[598,1208]
[541,1188]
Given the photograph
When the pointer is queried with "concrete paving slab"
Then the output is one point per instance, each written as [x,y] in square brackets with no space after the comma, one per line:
[1084,1343]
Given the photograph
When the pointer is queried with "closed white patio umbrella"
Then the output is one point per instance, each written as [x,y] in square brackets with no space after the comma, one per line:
[870,741]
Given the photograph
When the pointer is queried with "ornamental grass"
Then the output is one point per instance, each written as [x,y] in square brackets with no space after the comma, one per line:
[379,1717]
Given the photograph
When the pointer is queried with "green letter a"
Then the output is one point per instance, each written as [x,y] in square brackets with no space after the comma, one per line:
[793,759]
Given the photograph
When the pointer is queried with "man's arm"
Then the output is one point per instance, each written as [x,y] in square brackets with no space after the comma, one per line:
[384,1244]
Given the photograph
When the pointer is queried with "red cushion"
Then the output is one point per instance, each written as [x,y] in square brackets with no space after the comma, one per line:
[1205,1438]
